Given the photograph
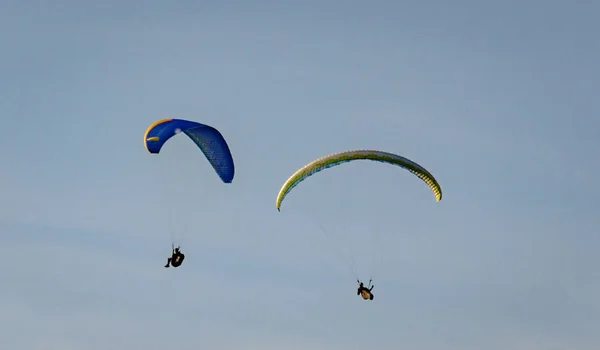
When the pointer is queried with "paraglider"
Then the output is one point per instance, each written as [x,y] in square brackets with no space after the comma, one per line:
[365,292]
[208,139]
[336,159]
[176,258]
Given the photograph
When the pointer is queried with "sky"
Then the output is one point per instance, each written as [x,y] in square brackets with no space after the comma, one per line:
[499,100]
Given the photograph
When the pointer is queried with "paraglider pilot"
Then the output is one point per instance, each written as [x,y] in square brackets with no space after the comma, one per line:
[176,258]
[364,291]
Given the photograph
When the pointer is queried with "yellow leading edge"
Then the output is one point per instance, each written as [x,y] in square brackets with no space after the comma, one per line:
[152,126]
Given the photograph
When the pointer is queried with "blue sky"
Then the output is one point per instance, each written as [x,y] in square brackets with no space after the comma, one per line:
[499,100]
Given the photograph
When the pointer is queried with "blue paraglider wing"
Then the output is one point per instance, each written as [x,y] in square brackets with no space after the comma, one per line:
[208,139]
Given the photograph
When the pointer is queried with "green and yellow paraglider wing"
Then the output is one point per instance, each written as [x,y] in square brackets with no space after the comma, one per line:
[349,156]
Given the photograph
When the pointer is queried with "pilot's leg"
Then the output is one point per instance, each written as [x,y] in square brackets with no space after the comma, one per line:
[168,262]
